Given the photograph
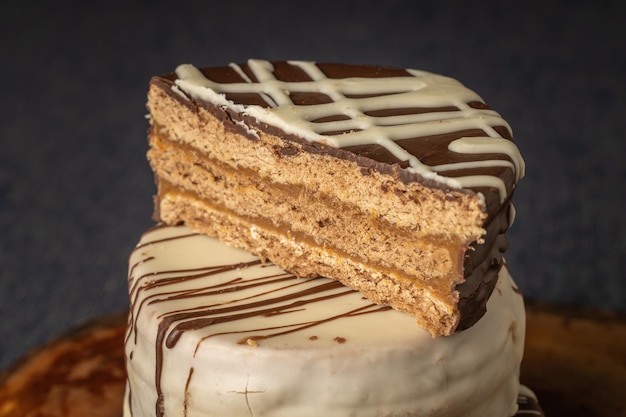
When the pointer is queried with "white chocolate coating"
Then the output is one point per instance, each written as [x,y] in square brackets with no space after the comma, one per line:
[256,341]
[352,97]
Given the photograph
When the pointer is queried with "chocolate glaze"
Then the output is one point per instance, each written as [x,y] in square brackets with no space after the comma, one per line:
[482,262]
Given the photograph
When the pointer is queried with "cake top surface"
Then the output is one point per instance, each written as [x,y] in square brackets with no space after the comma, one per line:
[427,124]
[234,298]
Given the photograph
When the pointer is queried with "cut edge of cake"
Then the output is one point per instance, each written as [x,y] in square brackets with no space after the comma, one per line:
[221,172]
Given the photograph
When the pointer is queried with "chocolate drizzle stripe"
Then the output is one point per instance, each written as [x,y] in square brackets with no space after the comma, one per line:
[187,385]
[152,298]
[213,316]
[167,239]
[372,308]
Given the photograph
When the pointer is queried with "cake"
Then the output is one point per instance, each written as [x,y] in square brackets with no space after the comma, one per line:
[395,182]
[215,331]
[330,242]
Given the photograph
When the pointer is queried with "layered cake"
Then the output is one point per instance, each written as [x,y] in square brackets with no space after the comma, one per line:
[215,331]
[395,182]
[330,243]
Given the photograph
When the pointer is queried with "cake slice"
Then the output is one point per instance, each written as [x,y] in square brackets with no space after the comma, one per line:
[395,182]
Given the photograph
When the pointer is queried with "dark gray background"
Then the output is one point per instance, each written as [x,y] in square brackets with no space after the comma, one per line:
[75,188]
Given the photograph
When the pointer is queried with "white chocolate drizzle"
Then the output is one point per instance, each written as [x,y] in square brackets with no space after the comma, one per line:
[353,98]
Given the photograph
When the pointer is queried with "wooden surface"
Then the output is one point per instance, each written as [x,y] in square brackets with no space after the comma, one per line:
[575,362]
[81,374]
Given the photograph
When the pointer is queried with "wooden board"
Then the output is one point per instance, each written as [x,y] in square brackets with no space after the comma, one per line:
[81,374]
[575,361]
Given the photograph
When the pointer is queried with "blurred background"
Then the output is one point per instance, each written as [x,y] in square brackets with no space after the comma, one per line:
[76,190]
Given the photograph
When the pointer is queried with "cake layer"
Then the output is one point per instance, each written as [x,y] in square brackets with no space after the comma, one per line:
[215,331]
[395,182]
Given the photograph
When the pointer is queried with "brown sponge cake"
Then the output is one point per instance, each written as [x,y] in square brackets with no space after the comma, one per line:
[395,182]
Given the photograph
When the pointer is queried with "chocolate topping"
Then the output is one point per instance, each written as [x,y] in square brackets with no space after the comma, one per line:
[431,150]
[483,261]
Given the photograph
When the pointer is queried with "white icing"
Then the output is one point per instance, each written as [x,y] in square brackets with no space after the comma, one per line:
[483,181]
[512,214]
[247,128]
[478,145]
[483,145]
[383,365]
[179,92]
[421,89]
